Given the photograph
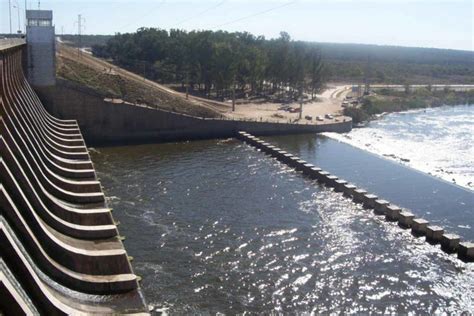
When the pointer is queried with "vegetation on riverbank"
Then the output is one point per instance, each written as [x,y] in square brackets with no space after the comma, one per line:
[216,63]
[386,101]
[388,64]
[109,84]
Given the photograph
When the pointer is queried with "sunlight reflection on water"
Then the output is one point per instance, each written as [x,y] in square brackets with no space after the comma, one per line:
[236,232]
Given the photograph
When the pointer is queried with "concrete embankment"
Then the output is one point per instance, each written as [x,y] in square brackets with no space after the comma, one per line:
[61,251]
[450,243]
[105,122]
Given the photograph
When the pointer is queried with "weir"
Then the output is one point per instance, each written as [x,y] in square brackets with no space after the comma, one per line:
[61,252]
[450,243]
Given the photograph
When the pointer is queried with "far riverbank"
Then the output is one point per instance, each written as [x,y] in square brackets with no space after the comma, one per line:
[388,101]
[436,141]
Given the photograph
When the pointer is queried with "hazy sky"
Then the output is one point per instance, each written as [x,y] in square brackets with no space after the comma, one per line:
[424,23]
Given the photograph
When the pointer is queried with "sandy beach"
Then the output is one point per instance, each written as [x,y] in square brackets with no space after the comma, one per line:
[328,102]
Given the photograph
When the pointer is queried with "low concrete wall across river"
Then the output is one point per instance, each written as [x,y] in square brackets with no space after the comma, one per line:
[450,243]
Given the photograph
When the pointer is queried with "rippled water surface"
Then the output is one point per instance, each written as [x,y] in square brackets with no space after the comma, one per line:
[437,141]
[216,226]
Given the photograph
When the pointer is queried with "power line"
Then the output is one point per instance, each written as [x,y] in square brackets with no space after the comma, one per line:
[80,20]
[143,16]
[255,14]
[10,14]
[201,13]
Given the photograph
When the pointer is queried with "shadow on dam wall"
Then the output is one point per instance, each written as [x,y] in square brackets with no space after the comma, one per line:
[107,123]
[60,249]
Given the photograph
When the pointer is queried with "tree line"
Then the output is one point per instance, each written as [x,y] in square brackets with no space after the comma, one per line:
[220,63]
[388,64]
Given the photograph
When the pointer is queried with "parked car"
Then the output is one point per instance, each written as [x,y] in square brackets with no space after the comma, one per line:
[319,118]
[329,116]
[308,117]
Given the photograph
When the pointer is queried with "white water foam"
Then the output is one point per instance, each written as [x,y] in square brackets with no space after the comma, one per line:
[437,141]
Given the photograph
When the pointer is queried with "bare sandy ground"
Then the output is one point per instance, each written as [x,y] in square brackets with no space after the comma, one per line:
[328,102]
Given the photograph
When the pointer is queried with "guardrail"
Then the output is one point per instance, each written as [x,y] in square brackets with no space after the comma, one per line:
[7,43]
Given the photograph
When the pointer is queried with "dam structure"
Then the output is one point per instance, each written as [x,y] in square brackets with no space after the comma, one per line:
[61,251]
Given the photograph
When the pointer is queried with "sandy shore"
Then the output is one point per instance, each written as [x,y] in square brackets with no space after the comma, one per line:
[328,102]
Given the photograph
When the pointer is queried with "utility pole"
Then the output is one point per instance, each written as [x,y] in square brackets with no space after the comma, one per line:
[80,19]
[187,85]
[233,96]
[301,101]
[10,14]
[367,76]
[19,24]
[26,8]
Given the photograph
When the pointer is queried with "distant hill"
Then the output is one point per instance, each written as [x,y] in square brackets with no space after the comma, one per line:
[86,40]
[387,64]
[394,64]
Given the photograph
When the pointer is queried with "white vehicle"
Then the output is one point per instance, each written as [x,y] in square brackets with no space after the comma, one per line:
[329,116]
[319,118]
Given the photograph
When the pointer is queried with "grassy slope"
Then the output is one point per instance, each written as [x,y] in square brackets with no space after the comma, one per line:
[116,86]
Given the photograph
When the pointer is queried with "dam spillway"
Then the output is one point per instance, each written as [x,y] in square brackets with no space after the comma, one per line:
[61,252]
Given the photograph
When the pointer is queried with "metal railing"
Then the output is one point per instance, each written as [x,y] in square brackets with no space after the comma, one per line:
[6,43]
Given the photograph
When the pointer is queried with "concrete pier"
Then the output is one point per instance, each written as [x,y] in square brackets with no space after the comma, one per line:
[293,162]
[434,234]
[450,243]
[339,185]
[331,181]
[392,213]
[359,195]
[405,219]
[306,168]
[322,176]
[369,200]
[314,173]
[300,165]
[380,207]
[419,226]
[466,251]
[348,190]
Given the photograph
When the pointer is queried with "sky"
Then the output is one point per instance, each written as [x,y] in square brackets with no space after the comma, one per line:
[417,23]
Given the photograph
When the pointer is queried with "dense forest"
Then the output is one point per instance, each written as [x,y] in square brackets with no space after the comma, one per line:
[383,64]
[220,63]
[398,65]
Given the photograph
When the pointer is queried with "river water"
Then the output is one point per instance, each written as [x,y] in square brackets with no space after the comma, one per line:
[218,227]
[438,141]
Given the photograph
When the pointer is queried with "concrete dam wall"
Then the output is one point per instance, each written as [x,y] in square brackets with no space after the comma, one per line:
[61,252]
[106,122]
